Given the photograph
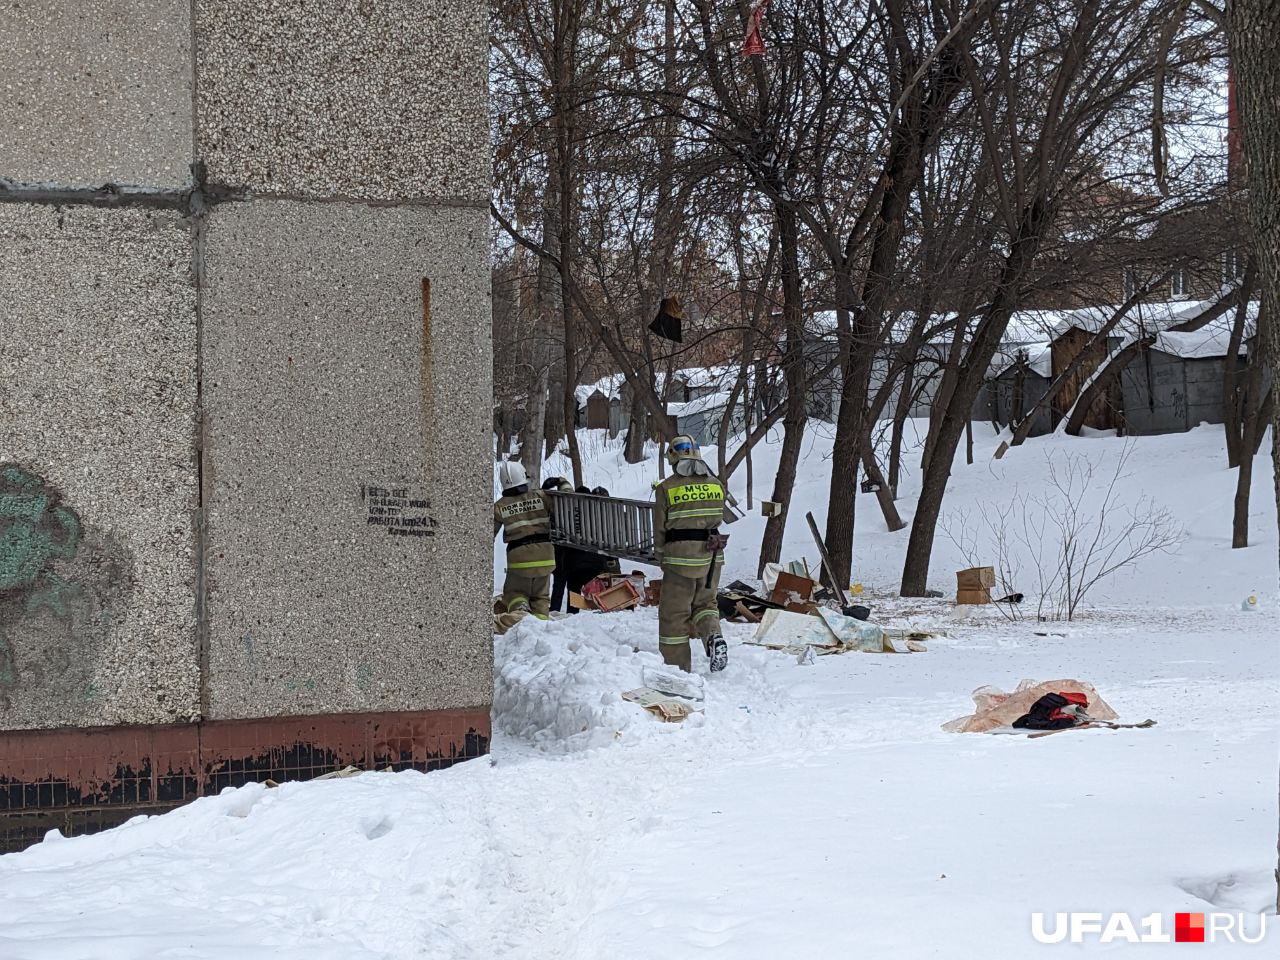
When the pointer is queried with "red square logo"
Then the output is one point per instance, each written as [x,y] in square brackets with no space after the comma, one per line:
[1188,927]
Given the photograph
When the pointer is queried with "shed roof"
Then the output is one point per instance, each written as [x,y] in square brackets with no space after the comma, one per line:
[1210,341]
[721,375]
[1039,359]
[712,401]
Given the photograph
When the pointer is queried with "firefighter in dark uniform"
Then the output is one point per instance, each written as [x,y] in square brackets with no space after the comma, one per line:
[688,508]
[524,517]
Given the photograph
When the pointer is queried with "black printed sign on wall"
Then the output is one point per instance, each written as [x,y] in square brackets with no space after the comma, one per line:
[399,511]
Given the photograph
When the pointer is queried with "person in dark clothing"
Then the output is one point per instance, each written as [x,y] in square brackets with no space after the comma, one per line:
[574,567]
[611,564]
[562,553]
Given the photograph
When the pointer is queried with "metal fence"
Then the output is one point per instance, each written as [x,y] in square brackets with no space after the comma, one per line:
[607,525]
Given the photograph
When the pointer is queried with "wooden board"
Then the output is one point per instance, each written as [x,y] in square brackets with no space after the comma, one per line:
[826,561]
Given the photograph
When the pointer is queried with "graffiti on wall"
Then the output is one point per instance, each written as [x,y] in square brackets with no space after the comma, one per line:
[62,590]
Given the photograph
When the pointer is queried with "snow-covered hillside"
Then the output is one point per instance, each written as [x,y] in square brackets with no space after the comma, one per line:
[812,812]
[1185,473]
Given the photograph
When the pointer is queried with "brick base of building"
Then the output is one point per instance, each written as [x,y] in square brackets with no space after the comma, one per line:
[85,780]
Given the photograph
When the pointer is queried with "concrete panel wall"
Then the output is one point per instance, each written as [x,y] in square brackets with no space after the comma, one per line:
[96,92]
[97,467]
[318,98]
[353,137]
[347,467]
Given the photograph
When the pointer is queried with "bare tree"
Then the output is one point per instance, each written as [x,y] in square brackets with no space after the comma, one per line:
[985,537]
[1254,35]
[1045,101]
[1254,27]
[1246,407]
[1073,534]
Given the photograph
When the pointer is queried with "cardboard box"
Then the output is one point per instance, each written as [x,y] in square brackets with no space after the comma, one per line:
[975,597]
[652,593]
[621,596]
[976,578]
[793,592]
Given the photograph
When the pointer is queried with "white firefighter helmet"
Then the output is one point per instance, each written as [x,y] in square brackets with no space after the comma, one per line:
[683,447]
[511,474]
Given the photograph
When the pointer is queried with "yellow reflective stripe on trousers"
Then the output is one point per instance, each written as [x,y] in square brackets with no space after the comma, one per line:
[706,613]
[677,562]
[670,640]
[530,564]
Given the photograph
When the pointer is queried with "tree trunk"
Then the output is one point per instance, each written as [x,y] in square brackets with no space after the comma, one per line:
[946,389]
[563,401]
[637,427]
[726,422]
[902,407]
[922,114]
[1254,34]
[531,439]
[884,491]
[1033,223]
[1240,516]
[794,372]
[1252,412]
[554,422]
[842,499]
[1236,419]
[534,443]
[742,384]
[569,405]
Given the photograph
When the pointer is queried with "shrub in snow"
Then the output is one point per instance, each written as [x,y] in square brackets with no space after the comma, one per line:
[1065,538]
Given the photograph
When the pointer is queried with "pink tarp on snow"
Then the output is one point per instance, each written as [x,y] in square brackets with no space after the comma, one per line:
[994,708]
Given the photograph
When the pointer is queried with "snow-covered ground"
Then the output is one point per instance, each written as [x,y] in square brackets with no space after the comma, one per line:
[813,812]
